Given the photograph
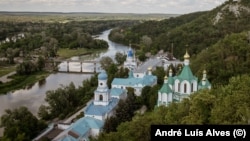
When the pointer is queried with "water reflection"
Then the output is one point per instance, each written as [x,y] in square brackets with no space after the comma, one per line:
[33,97]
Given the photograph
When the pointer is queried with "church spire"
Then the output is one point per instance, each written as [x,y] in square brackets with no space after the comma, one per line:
[186,58]
[204,75]
[170,73]
[166,79]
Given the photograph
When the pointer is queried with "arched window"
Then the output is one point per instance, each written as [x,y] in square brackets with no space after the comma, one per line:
[101,98]
[192,87]
[185,88]
[179,86]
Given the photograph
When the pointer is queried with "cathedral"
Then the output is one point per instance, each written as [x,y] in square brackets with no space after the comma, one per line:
[130,61]
[103,106]
[176,88]
[105,100]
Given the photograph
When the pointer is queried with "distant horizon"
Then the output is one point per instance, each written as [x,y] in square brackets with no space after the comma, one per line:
[110,6]
[86,12]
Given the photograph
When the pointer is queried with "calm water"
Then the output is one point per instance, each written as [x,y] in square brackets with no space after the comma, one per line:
[34,97]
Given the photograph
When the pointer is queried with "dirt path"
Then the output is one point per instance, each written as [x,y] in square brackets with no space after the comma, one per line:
[5,78]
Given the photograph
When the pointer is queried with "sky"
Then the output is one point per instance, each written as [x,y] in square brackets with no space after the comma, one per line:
[111,6]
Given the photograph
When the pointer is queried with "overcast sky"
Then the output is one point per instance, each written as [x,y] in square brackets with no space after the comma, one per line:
[111,6]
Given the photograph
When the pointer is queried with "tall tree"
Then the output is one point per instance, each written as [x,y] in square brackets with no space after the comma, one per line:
[20,124]
[120,58]
[106,62]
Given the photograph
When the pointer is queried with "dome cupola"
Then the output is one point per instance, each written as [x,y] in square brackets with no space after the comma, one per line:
[102,76]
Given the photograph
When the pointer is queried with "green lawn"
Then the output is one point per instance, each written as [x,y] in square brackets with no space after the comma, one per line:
[7,69]
[67,53]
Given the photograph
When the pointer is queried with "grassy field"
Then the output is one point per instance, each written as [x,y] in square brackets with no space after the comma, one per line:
[7,69]
[66,17]
[66,53]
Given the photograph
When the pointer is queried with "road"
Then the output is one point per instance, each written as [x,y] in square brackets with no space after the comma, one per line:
[68,120]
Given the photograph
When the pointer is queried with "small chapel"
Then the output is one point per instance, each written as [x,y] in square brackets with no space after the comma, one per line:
[176,88]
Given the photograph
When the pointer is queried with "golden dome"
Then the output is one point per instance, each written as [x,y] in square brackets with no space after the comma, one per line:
[186,56]
[204,71]
[166,77]
[149,69]
[170,70]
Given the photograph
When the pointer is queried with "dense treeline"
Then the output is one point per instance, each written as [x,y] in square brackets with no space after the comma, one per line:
[48,37]
[210,44]
[227,104]
[66,100]
[222,49]
[197,30]
[20,125]
[228,57]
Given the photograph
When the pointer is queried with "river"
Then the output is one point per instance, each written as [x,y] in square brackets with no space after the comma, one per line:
[33,97]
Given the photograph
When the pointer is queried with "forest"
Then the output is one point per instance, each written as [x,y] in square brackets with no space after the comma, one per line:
[226,41]
[31,47]
[222,48]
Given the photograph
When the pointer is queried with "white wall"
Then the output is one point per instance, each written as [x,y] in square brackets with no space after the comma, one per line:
[94,132]
[63,126]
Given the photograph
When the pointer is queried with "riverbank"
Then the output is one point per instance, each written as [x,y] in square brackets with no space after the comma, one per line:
[22,82]
[10,81]
[4,70]
[66,53]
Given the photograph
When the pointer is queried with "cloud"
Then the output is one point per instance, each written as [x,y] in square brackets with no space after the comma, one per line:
[126,6]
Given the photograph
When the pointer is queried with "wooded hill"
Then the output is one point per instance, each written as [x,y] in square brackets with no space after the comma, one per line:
[196,32]
[220,44]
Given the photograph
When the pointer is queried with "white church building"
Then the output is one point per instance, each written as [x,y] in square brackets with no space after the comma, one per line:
[147,79]
[103,106]
[175,88]
[130,61]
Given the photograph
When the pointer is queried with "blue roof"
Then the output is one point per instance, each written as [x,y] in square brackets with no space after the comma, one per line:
[69,138]
[130,53]
[82,126]
[102,76]
[147,80]
[100,110]
[116,91]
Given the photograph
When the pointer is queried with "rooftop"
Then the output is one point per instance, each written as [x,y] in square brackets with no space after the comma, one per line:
[151,62]
[116,91]
[132,81]
[100,109]
[80,128]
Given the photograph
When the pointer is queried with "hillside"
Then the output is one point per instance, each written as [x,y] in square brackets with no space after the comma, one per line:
[194,31]
[218,40]
[197,30]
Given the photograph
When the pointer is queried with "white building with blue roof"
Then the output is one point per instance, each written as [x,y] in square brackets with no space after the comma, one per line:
[103,106]
[148,79]
[181,86]
[130,62]
[81,130]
